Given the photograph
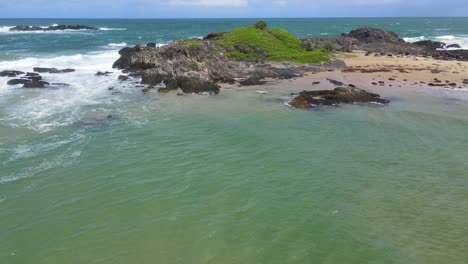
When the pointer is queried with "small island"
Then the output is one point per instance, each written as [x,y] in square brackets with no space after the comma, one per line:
[250,55]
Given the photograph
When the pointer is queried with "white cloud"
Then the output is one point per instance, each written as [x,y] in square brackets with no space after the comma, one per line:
[210,3]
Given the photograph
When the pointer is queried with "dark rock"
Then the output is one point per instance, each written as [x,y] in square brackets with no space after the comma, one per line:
[197,85]
[18,81]
[61,84]
[335,82]
[252,81]
[300,102]
[453,46]
[10,73]
[213,36]
[51,70]
[375,35]
[430,45]
[33,78]
[151,45]
[103,73]
[123,78]
[337,96]
[32,74]
[435,71]
[51,28]
[35,84]
[315,83]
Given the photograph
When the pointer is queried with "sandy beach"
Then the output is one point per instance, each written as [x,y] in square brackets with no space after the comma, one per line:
[367,71]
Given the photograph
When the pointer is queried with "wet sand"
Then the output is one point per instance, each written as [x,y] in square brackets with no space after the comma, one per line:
[371,71]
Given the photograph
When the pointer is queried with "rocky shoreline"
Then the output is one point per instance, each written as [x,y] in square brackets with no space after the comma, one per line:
[196,66]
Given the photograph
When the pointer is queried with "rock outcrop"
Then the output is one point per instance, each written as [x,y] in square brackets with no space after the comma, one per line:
[384,42]
[52,28]
[197,66]
[341,95]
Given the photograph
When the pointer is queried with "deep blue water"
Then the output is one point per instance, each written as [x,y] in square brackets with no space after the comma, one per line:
[135,31]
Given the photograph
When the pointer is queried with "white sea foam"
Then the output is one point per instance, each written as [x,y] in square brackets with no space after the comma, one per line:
[45,109]
[414,39]
[461,40]
[122,44]
[5,29]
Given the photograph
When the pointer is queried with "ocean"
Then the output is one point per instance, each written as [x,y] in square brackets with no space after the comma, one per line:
[98,172]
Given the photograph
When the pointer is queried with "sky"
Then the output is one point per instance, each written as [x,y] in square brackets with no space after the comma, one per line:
[230,8]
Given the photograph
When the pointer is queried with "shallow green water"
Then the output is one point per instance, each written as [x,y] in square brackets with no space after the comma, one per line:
[241,178]
[234,178]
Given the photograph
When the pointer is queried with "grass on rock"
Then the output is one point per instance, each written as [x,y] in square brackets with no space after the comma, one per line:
[269,44]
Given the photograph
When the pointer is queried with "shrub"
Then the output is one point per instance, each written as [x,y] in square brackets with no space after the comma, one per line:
[261,25]
[269,44]
[328,47]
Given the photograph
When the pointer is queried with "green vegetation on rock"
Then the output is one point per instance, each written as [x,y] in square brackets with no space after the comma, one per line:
[261,25]
[189,42]
[268,44]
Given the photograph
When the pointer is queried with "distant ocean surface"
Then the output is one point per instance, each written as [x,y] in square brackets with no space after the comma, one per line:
[98,172]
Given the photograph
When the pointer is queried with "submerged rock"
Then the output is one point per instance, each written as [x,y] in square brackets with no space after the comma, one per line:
[307,99]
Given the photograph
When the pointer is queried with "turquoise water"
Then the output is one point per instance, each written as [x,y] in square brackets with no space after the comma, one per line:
[234,178]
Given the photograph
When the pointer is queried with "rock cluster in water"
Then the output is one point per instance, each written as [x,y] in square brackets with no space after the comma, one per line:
[340,95]
[52,28]
[32,79]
